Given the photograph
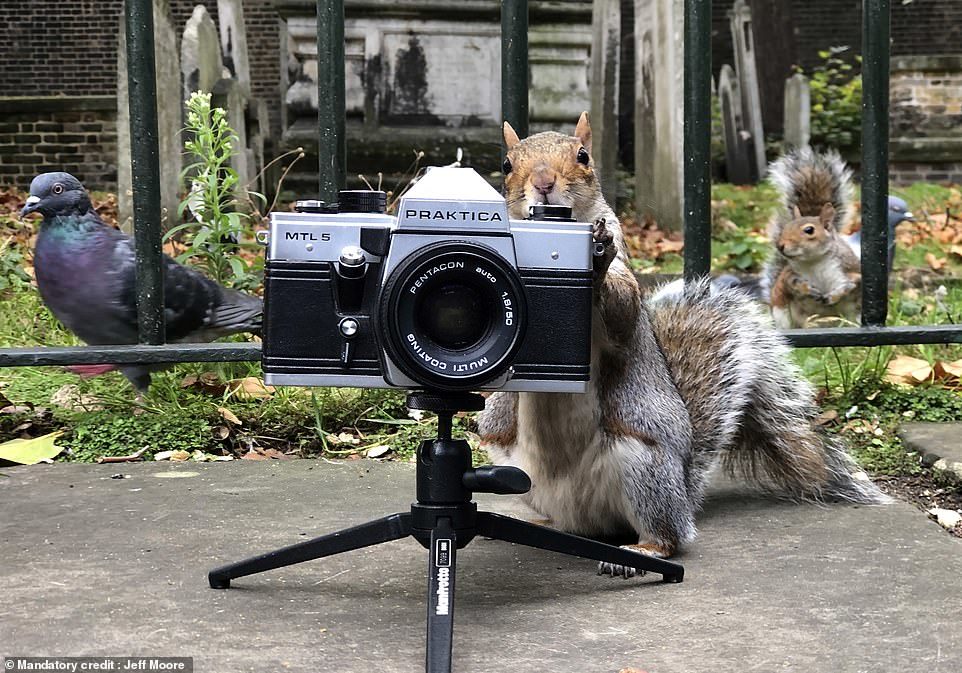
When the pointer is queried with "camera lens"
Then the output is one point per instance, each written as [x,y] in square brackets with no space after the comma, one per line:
[451,315]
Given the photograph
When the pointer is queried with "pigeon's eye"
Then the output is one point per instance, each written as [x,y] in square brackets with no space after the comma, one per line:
[809,230]
[506,166]
[583,157]
[58,188]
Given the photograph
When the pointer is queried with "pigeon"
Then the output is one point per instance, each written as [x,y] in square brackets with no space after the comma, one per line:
[85,271]
[898,212]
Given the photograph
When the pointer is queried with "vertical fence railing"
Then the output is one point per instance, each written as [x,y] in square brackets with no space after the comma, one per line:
[145,169]
[515,86]
[514,64]
[875,155]
[697,138]
[331,148]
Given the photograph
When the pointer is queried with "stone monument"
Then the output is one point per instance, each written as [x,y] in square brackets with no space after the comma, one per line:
[744,43]
[659,111]
[169,121]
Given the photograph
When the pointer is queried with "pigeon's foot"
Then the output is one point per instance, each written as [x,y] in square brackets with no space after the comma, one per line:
[90,371]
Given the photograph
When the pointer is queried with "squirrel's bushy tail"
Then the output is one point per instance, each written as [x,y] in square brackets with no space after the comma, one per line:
[808,180]
[748,401]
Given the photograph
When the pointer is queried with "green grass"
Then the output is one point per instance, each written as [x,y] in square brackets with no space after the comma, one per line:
[344,422]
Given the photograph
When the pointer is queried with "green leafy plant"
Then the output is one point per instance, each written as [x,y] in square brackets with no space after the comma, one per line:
[836,90]
[108,433]
[13,276]
[215,204]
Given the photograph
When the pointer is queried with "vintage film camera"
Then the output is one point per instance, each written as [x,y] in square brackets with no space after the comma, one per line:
[449,295]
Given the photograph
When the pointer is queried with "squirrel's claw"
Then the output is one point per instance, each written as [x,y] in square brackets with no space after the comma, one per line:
[604,252]
[615,570]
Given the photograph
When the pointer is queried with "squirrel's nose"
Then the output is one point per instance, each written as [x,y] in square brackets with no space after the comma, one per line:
[543,185]
[543,181]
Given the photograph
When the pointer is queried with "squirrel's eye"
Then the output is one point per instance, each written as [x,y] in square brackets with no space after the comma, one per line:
[809,230]
[58,188]
[583,157]
[506,166]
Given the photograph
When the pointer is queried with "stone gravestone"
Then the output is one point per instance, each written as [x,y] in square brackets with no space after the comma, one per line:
[733,133]
[233,40]
[605,53]
[659,110]
[744,43]
[169,121]
[200,59]
[798,112]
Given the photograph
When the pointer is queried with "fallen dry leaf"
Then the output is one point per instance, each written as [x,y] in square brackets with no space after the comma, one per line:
[935,262]
[826,417]
[250,387]
[907,370]
[208,382]
[179,456]
[229,416]
[953,369]
[378,451]
[672,246]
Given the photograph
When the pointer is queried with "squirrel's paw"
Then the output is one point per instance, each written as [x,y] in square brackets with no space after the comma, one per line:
[616,570]
[604,252]
[648,549]
[840,293]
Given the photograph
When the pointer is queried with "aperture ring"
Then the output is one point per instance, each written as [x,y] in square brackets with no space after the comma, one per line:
[425,273]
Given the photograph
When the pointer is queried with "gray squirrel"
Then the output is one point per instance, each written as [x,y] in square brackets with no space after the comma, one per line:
[812,270]
[676,387]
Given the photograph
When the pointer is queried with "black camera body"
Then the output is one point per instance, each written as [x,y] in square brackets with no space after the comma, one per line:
[448,295]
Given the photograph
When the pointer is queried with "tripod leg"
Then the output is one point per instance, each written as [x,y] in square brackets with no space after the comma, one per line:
[389,528]
[512,530]
[441,567]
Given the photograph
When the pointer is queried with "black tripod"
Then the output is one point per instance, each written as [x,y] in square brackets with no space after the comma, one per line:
[443,520]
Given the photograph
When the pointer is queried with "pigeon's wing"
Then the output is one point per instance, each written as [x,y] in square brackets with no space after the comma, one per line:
[195,307]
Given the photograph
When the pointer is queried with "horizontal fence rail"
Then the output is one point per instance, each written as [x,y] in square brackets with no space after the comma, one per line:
[515,85]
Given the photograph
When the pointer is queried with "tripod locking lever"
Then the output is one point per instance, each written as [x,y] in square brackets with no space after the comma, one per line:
[500,479]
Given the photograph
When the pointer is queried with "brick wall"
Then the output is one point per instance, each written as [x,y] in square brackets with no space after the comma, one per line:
[925,119]
[69,47]
[263,52]
[77,135]
[58,47]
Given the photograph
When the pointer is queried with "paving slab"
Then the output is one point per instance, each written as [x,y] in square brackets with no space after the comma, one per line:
[939,444]
[91,565]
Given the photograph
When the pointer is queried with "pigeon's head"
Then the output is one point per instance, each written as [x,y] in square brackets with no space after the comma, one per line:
[56,194]
[898,212]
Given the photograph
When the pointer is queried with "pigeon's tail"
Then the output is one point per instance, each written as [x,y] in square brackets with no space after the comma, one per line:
[237,312]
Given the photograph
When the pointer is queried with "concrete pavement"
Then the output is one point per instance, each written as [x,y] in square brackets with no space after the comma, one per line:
[92,565]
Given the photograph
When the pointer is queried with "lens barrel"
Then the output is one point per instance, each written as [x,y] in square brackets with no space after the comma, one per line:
[452,315]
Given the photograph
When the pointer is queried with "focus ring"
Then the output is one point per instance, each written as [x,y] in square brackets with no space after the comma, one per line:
[419,278]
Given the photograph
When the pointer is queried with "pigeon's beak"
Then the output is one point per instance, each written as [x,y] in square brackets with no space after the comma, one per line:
[30,205]
[907,215]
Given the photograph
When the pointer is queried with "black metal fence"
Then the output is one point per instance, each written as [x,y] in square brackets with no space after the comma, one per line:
[514,69]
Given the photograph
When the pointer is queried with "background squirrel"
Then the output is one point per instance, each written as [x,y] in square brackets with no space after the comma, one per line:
[674,386]
[813,271]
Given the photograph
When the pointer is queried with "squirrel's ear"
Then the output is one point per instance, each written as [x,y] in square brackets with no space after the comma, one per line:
[583,131]
[510,137]
[827,216]
[797,213]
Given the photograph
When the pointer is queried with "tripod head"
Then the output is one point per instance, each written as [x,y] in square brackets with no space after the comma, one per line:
[445,473]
